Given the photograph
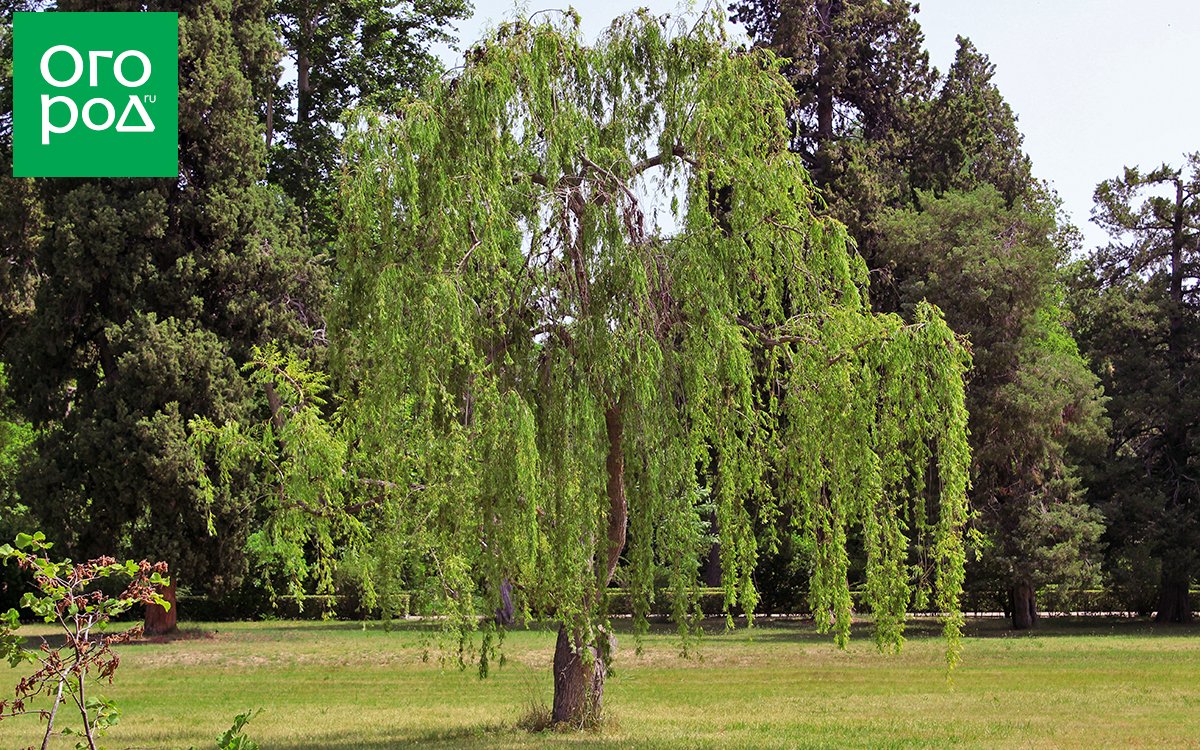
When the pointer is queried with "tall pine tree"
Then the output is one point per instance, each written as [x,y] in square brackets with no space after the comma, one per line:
[343,54]
[1140,302]
[860,73]
[1034,406]
[967,134]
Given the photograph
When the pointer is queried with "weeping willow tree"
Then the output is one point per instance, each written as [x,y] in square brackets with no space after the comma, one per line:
[587,305]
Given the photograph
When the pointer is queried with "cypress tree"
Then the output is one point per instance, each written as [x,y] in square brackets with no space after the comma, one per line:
[152,294]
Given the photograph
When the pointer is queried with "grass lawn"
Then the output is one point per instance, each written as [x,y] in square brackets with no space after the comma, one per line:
[1087,684]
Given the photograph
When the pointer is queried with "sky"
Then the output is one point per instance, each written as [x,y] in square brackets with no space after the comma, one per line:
[1096,84]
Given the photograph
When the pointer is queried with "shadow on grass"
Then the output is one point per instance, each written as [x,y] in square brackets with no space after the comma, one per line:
[327,626]
[485,735]
[183,635]
[1068,627]
[805,631]
[480,735]
[797,630]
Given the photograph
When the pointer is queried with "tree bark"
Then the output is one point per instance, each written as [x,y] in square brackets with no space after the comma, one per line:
[825,73]
[307,25]
[710,568]
[270,125]
[275,403]
[618,507]
[578,684]
[579,668]
[1024,606]
[1174,601]
[505,614]
[825,84]
[161,621]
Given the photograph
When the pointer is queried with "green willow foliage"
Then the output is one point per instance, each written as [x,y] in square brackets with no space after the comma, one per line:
[296,460]
[525,347]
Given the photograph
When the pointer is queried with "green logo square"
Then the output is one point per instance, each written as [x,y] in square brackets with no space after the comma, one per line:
[95,94]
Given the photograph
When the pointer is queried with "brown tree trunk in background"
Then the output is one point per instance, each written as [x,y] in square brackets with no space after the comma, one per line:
[579,668]
[161,621]
[1174,601]
[710,566]
[1024,606]
[270,117]
[825,73]
[303,67]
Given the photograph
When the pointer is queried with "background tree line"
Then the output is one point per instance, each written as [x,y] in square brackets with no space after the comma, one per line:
[130,308]
[1070,489]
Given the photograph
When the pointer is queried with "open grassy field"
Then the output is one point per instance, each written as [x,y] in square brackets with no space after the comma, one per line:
[343,686]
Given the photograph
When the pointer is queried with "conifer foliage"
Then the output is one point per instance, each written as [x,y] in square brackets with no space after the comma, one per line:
[559,384]
[151,294]
[1138,299]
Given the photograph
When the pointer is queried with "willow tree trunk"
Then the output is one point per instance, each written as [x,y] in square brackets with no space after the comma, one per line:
[580,668]
[1023,601]
[578,681]
[1174,601]
[159,620]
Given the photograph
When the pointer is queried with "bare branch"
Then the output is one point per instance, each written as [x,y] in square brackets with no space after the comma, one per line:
[559,330]
[677,151]
[771,340]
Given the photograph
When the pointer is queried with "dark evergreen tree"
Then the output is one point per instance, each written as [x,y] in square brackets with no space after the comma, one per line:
[968,136]
[855,64]
[20,231]
[993,250]
[1034,406]
[929,175]
[20,209]
[152,294]
[1140,301]
[357,52]
[860,74]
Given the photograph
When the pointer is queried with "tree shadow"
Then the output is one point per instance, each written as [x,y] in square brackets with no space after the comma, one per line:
[789,628]
[1074,627]
[804,631]
[477,735]
[328,626]
[443,738]
[34,642]
[58,640]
